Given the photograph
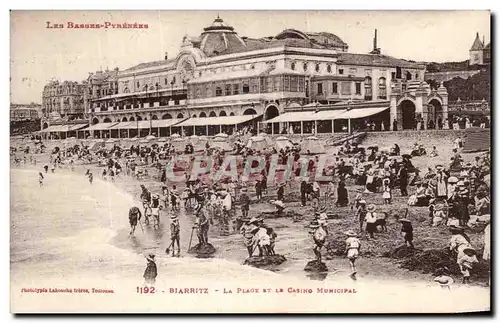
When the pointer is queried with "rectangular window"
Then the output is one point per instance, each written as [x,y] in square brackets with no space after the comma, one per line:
[301,84]
[208,91]
[246,88]
[218,91]
[151,104]
[398,72]
[228,89]
[335,88]
[236,89]
[269,84]
[320,88]
[166,81]
[286,86]
[341,71]
[276,84]
[345,88]
[358,88]
[294,83]
[416,76]
[393,75]
[138,84]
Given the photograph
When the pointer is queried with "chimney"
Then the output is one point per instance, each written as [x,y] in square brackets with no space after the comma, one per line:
[376,50]
[166,55]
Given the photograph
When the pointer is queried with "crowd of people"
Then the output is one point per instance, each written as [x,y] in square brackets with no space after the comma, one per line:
[455,194]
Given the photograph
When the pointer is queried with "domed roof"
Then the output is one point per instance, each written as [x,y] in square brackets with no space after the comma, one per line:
[220,38]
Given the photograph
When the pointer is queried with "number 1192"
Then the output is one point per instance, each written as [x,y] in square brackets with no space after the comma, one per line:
[145,290]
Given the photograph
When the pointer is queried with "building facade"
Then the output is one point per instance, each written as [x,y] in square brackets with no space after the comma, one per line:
[220,73]
[62,100]
[25,112]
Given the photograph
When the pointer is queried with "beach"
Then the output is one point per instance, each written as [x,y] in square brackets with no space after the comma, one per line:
[71,232]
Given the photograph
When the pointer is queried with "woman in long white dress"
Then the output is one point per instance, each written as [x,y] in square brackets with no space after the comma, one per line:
[487,243]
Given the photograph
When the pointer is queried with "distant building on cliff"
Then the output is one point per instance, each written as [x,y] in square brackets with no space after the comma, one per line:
[479,54]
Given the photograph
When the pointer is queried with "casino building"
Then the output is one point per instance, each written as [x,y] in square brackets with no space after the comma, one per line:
[222,74]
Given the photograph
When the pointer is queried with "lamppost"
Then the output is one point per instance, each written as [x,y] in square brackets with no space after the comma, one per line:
[349,119]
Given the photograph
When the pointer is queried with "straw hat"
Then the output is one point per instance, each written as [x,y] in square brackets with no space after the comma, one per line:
[438,207]
[371,208]
[460,183]
[150,257]
[456,228]
[350,233]
[314,224]
[254,220]
[452,180]
[469,251]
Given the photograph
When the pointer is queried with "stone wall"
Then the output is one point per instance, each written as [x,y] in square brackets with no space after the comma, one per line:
[406,139]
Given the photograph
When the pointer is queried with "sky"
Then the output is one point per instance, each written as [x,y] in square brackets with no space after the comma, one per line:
[39,54]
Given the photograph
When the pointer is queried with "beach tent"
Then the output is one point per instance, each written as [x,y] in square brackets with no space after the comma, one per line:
[258,143]
[282,143]
[109,144]
[200,143]
[313,145]
[221,135]
[222,143]
[179,144]
[150,137]
[175,135]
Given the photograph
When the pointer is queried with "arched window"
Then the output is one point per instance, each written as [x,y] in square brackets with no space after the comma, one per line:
[222,114]
[180,116]
[203,115]
[139,118]
[212,114]
[317,68]
[293,66]
[368,88]
[124,119]
[126,90]
[154,117]
[305,67]
[131,119]
[382,89]
[329,68]
[166,116]
[193,116]
[106,120]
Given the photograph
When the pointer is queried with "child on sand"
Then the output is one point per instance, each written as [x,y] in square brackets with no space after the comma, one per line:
[40,179]
[387,195]
[407,230]
[352,250]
